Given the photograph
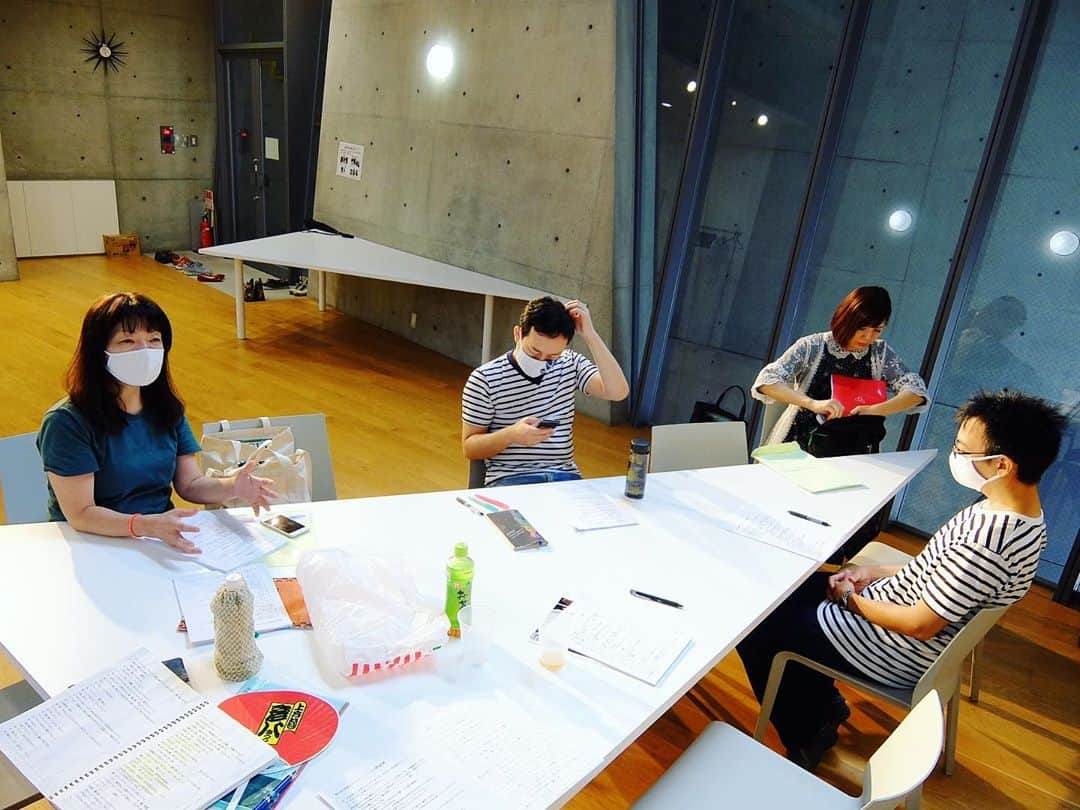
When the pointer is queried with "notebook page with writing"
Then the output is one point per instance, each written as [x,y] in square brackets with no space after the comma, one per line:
[228,542]
[131,736]
[195,591]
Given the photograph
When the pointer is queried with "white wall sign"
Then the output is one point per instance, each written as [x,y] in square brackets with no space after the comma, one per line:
[272,149]
[350,160]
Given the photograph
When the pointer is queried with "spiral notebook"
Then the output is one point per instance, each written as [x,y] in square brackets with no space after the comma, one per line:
[132,736]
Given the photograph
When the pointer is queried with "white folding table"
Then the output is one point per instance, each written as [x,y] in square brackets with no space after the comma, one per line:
[77,603]
[326,253]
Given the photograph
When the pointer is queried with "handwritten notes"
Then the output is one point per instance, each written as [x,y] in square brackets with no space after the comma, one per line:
[228,542]
[195,591]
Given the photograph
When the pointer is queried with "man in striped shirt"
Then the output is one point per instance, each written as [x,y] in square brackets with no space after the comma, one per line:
[889,623]
[517,411]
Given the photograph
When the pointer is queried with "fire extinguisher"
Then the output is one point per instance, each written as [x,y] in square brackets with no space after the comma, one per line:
[206,233]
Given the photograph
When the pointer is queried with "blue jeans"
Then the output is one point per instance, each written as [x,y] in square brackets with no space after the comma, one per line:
[543,477]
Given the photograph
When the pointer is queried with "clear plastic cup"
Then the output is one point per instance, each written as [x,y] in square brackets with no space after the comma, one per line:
[554,645]
[474,640]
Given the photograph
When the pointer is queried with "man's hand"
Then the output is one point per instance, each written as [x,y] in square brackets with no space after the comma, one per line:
[855,578]
[167,528]
[582,318]
[527,433]
[829,408]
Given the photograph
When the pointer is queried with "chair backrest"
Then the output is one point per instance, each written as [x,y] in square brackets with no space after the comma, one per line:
[772,415]
[697,444]
[907,757]
[22,480]
[943,675]
[309,433]
[477,473]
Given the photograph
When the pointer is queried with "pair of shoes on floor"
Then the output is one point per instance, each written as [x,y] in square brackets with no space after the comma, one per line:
[301,287]
[210,276]
[275,284]
[187,265]
[253,290]
[808,756]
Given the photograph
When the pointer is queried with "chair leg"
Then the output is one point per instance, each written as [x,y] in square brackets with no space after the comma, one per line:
[974,684]
[914,799]
[952,719]
[776,672]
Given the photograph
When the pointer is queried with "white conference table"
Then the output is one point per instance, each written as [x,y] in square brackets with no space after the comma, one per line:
[326,253]
[74,604]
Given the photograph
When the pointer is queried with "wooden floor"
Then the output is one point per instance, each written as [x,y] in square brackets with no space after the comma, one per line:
[393,415]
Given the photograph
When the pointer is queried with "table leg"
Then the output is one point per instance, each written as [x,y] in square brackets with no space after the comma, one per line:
[489,316]
[238,292]
[321,281]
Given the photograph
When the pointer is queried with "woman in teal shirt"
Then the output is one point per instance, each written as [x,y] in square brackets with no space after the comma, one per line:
[119,443]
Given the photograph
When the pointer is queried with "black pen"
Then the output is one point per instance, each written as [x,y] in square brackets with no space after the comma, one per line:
[470,507]
[807,517]
[658,599]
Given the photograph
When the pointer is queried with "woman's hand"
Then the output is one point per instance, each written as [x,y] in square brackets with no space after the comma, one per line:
[867,410]
[829,408]
[167,528]
[253,489]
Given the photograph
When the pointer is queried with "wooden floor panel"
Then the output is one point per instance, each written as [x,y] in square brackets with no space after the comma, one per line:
[393,417]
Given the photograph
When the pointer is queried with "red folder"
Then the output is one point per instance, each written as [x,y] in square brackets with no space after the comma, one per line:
[851,392]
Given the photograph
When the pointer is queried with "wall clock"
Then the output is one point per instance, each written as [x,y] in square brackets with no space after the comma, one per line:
[104,51]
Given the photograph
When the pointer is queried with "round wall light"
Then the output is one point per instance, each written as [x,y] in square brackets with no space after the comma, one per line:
[900,220]
[762,120]
[440,61]
[1064,243]
[691,86]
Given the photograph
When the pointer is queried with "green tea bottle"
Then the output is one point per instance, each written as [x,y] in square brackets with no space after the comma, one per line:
[459,577]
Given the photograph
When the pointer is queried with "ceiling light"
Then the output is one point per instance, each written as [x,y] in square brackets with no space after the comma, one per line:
[440,61]
[762,120]
[900,220]
[1064,243]
[691,86]
[666,104]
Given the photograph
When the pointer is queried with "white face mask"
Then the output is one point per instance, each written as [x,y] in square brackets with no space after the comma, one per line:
[964,472]
[530,365]
[138,367]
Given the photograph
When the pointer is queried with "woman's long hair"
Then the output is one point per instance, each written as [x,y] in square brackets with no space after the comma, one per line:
[862,307]
[93,390]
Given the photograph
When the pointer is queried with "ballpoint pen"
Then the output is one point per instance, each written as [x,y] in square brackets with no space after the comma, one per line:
[658,599]
[469,506]
[807,517]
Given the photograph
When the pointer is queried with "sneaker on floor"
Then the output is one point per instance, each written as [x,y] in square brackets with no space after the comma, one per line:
[274,284]
[301,287]
[211,277]
[253,290]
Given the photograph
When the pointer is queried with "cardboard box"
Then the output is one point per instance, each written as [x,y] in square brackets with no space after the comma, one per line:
[121,244]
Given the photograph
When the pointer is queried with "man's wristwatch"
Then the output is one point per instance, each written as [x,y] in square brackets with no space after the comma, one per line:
[844,598]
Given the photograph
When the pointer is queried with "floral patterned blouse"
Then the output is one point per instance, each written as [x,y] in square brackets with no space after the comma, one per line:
[809,364]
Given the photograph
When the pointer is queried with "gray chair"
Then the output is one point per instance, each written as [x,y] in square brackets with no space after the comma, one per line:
[15,791]
[309,433]
[942,677]
[725,768]
[22,480]
[695,445]
[477,473]
[773,412]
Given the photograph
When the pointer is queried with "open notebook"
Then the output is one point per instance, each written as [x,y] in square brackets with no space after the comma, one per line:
[132,736]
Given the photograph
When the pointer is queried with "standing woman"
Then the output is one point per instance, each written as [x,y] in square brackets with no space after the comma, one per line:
[802,376]
[115,447]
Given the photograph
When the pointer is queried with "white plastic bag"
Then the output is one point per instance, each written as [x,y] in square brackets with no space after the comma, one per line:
[366,612]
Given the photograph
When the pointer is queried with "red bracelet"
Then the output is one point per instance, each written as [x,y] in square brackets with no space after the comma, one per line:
[131,526]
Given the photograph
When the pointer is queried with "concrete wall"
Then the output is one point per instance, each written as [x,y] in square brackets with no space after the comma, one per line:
[505,168]
[62,120]
[9,269]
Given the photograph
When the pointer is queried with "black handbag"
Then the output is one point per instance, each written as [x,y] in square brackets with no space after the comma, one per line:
[846,436]
[716,412]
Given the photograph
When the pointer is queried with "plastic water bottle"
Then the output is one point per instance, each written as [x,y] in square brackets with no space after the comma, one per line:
[637,468]
[459,579]
[236,655]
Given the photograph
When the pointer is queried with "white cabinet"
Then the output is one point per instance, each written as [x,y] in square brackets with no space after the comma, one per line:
[62,217]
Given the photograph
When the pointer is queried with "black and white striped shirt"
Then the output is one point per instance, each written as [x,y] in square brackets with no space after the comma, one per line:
[980,558]
[499,393]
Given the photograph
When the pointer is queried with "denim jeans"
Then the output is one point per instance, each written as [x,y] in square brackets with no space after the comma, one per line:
[542,477]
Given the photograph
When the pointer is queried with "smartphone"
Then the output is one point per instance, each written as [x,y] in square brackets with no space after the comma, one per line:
[548,424]
[285,525]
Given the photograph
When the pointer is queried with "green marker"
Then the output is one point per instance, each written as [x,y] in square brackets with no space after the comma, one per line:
[459,578]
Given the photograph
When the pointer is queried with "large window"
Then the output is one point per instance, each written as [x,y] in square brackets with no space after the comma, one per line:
[1019,316]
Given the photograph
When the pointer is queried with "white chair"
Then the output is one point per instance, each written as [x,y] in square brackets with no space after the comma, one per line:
[477,473]
[942,677]
[725,768]
[876,553]
[697,444]
[22,480]
[309,433]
